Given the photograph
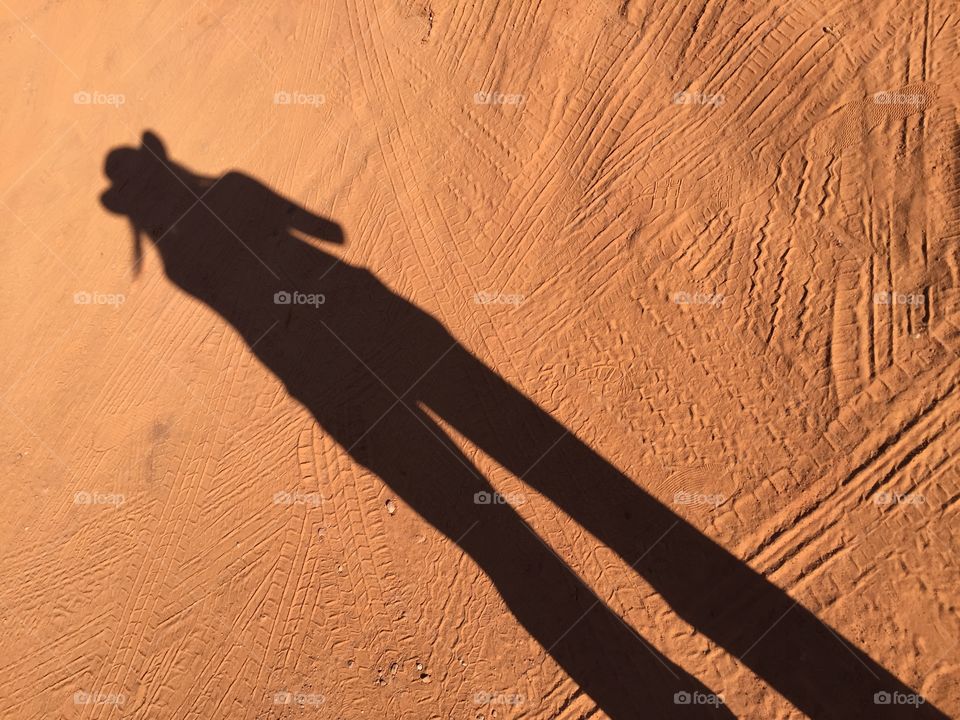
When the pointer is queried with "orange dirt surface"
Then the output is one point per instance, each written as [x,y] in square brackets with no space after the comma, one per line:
[502,359]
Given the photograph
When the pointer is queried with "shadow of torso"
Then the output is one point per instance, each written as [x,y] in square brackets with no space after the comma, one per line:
[332,332]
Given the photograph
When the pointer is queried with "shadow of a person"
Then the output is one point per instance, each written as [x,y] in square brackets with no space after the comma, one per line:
[373,369]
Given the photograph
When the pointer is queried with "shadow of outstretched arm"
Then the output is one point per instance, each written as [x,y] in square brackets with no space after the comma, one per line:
[313,225]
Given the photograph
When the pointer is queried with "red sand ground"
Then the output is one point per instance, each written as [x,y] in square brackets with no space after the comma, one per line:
[712,247]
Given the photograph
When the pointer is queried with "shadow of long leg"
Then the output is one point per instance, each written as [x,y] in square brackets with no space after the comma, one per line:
[808,663]
[612,664]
